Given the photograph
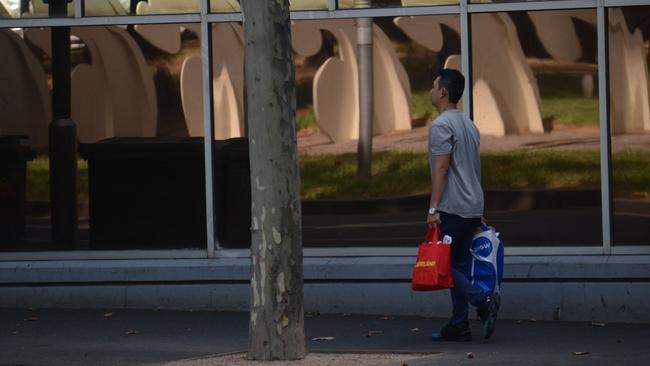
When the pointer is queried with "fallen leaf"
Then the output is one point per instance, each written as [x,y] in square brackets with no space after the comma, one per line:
[346,314]
[470,354]
[387,318]
[14,332]
[323,339]
[107,315]
[131,332]
[580,353]
[31,319]
[415,329]
[597,324]
[405,364]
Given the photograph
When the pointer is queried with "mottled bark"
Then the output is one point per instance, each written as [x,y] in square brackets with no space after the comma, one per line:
[277,321]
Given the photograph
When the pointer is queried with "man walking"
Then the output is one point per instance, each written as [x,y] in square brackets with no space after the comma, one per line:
[457,202]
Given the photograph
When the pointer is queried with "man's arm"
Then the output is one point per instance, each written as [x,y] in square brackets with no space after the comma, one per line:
[438,182]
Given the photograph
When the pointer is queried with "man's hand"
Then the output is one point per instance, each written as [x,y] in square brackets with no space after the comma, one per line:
[433,220]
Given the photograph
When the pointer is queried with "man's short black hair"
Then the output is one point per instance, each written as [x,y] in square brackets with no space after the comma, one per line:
[453,81]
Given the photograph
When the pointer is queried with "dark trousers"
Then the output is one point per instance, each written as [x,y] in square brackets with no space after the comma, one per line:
[461,230]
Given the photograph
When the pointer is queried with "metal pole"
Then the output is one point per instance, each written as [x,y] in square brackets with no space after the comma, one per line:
[605,129]
[366,97]
[24,7]
[62,139]
[466,58]
[208,133]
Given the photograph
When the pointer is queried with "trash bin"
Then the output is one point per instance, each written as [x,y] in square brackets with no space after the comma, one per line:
[13,183]
[147,193]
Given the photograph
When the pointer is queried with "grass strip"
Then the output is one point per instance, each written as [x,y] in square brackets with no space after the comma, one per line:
[396,173]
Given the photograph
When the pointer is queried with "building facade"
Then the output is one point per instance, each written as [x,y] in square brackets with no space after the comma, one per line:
[160,213]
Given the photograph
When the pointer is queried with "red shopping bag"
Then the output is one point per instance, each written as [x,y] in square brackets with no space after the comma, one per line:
[432,270]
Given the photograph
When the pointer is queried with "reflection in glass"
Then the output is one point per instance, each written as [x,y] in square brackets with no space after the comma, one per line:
[339,208]
[536,108]
[141,182]
[630,123]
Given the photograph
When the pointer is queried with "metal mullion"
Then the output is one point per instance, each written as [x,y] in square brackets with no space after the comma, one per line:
[466,58]
[206,70]
[79,8]
[308,252]
[374,13]
[605,135]
[630,250]
[331,5]
[531,6]
[553,251]
[93,21]
[224,17]
[620,3]
[412,251]
[103,255]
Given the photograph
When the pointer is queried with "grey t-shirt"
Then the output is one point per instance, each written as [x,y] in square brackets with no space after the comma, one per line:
[456,135]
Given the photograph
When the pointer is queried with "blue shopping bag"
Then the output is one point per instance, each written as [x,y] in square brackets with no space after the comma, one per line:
[486,267]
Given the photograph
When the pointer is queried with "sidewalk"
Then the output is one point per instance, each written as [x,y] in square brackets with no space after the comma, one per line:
[146,337]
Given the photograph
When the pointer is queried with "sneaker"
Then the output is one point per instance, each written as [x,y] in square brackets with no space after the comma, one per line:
[458,333]
[487,311]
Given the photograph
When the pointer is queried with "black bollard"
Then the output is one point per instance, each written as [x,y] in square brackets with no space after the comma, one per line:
[62,139]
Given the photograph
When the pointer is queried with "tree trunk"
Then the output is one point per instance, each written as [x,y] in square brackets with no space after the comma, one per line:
[277,321]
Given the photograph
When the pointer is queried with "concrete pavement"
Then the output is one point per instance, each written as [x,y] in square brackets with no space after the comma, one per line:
[147,337]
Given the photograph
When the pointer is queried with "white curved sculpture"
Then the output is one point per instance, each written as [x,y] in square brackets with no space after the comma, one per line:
[506,97]
[38,9]
[9,8]
[630,111]
[227,83]
[115,95]
[25,106]
[227,68]
[503,66]
[335,86]
[556,31]
[118,63]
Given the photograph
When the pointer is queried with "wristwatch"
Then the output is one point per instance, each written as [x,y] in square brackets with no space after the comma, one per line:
[433,210]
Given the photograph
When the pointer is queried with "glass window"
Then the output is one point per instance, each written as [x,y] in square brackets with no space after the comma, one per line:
[389,208]
[629,35]
[536,105]
[141,180]
[29,9]
[139,7]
